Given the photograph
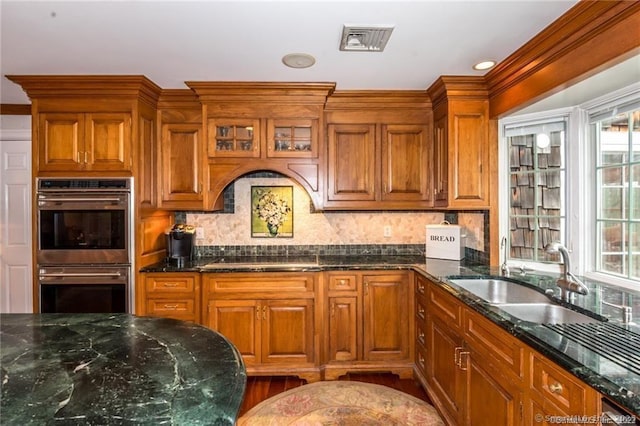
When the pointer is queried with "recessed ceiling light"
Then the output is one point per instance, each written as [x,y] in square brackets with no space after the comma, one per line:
[484,65]
[298,60]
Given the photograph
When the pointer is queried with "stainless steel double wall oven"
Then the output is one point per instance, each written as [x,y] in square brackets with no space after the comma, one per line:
[84,244]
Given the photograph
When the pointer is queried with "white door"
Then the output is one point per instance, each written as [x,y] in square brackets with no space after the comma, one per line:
[16,283]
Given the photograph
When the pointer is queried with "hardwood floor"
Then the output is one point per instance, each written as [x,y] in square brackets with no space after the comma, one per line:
[261,388]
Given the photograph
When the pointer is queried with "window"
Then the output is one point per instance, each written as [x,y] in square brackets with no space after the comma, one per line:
[573,175]
[617,171]
[536,185]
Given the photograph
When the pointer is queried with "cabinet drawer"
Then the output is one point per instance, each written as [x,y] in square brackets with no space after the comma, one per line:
[559,388]
[421,310]
[260,283]
[490,340]
[421,360]
[186,284]
[171,307]
[421,286]
[341,282]
[445,306]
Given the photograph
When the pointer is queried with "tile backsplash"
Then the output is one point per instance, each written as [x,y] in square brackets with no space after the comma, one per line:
[233,227]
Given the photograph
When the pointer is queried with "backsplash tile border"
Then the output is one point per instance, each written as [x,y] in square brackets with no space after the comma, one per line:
[328,250]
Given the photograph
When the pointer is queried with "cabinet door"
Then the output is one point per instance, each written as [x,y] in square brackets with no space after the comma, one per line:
[351,163]
[445,377]
[343,329]
[468,154]
[60,142]
[180,170]
[292,138]
[233,138]
[440,163]
[405,163]
[491,398]
[287,331]
[108,141]
[239,321]
[386,317]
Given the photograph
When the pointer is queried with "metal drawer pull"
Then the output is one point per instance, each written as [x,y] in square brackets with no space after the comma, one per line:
[464,353]
[171,306]
[555,388]
[456,356]
[172,284]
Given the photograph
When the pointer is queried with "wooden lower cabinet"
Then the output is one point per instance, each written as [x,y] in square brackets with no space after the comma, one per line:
[172,295]
[556,394]
[270,317]
[478,374]
[368,322]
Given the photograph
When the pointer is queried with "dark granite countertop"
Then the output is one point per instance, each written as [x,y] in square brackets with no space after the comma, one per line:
[606,359]
[116,369]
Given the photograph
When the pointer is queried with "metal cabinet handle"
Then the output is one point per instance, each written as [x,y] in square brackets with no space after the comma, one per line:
[421,288]
[366,288]
[170,306]
[264,312]
[170,284]
[258,313]
[463,365]
[456,355]
[85,157]
[421,337]
[556,388]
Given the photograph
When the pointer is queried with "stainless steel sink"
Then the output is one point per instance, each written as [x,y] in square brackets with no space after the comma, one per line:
[545,313]
[495,290]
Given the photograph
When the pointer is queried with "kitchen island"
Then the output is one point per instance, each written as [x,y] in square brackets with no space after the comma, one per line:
[112,369]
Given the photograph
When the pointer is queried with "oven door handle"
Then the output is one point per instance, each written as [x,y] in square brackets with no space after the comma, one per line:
[78,199]
[80,274]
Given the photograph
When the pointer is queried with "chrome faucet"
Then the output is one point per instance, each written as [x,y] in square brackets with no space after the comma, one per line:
[568,283]
[504,269]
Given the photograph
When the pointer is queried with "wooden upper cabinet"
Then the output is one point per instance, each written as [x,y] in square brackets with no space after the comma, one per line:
[84,142]
[181,170]
[405,163]
[233,137]
[462,147]
[292,138]
[90,125]
[379,150]
[351,163]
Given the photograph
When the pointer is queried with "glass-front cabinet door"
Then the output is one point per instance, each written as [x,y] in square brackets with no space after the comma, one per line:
[292,138]
[233,138]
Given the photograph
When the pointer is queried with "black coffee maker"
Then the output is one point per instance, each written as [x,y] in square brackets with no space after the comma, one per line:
[181,240]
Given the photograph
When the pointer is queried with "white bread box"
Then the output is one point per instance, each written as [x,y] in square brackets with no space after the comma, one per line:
[445,241]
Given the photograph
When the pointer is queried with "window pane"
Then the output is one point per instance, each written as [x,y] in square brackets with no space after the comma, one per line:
[635,136]
[635,251]
[614,140]
[634,202]
[613,193]
[613,247]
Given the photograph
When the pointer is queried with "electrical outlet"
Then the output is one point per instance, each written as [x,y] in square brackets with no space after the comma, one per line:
[199,233]
[387,231]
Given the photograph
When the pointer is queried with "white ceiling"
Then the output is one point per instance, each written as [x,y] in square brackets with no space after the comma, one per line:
[176,41]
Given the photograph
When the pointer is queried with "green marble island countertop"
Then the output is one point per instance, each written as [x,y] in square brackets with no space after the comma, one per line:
[116,369]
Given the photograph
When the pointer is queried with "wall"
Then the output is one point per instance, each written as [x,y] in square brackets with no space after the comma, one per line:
[332,228]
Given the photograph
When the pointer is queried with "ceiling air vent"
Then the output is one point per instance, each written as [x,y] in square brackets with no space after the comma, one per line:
[369,38]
